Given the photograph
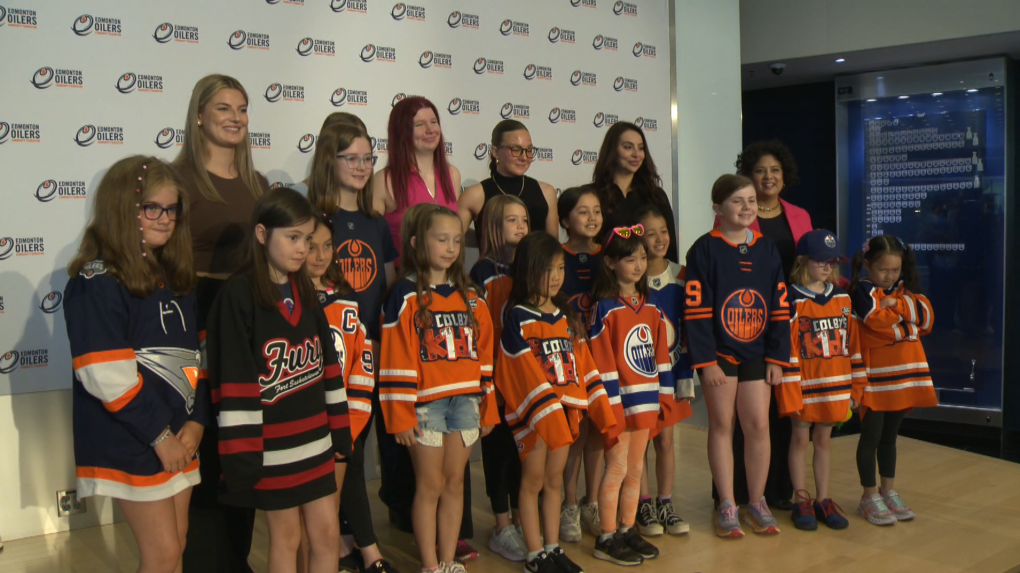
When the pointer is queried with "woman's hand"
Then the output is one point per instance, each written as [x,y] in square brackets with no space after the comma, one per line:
[486,430]
[773,374]
[173,454]
[713,376]
[408,437]
[190,436]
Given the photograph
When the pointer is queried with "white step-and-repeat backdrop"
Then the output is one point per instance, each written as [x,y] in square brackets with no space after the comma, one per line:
[90,82]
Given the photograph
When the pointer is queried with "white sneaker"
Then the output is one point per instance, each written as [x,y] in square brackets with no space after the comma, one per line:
[507,545]
[570,524]
[590,517]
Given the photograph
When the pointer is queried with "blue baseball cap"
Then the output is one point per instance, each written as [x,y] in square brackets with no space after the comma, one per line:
[819,245]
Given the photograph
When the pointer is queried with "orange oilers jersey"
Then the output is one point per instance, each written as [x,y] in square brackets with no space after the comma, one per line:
[426,362]
[896,365]
[354,353]
[736,307]
[825,357]
[547,376]
[630,344]
[494,278]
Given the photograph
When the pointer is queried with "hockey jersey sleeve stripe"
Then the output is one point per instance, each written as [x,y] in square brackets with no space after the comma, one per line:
[704,365]
[641,408]
[822,399]
[542,388]
[535,418]
[125,399]
[240,446]
[355,394]
[898,368]
[398,397]
[575,403]
[337,396]
[526,417]
[363,381]
[635,388]
[594,396]
[232,418]
[607,376]
[360,406]
[827,380]
[109,375]
[385,385]
[915,384]
[295,427]
[897,377]
[449,388]
[299,453]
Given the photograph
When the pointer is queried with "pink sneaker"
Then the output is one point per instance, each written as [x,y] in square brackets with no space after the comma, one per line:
[465,552]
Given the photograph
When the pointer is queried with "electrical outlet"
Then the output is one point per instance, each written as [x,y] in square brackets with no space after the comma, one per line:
[69,504]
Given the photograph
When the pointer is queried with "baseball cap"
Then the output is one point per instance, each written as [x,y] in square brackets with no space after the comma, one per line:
[819,245]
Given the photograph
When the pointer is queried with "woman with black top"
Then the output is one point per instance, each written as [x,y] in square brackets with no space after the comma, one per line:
[626,180]
[510,157]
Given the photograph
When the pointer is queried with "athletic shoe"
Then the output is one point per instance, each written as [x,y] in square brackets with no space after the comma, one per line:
[452,567]
[506,544]
[381,566]
[726,522]
[831,513]
[464,552]
[352,562]
[570,523]
[673,523]
[615,550]
[758,516]
[897,507]
[803,513]
[874,509]
[590,517]
[647,521]
[639,545]
[541,564]
[563,563]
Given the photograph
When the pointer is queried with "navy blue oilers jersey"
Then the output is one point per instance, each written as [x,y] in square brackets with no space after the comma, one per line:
[136,372]
[667,292]
[579,274]
[736,305]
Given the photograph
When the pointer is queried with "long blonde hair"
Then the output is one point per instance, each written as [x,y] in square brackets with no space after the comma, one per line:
[192,154]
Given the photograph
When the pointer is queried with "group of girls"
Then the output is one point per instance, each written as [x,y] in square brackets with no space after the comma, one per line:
[573,355]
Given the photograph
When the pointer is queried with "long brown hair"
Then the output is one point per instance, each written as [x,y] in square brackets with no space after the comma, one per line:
[402,162]
[492,217]
[278,209]
[113,234]
[886,245]
[415,261]
[333,276]
[192,154]
[324,182]
[606,284]
[646,180]
[532,261]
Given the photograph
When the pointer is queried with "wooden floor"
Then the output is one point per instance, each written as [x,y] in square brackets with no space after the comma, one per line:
[968,510]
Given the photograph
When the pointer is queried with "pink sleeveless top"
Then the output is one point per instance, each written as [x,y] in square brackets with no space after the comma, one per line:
[417,192]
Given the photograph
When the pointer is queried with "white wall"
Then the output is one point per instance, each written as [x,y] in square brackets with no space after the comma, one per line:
[784,29]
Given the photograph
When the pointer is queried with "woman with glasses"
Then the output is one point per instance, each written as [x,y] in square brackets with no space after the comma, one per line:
[510,157]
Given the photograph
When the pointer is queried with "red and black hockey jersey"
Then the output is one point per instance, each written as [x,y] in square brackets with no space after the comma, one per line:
[580,270]
[736,307]
[354,353]
[279,391]
[494,278]
[546,380]
[425,362]
[629,343]
[136,363]
[825,356]
[667,292]
[897,367]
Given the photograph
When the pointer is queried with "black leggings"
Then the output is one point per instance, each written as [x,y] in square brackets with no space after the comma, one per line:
[502,466]
[878,433]
[355,513]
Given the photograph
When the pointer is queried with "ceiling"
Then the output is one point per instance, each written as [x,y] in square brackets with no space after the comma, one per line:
[758,75]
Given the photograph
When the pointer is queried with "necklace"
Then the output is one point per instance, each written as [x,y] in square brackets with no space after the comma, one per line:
[504,192]
[765,209]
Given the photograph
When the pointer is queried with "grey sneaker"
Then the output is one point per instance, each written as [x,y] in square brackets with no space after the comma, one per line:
[874,509]
[647,521]
[673,523]
[506,544]
[570,523]
[897,507]
[452,567]
[590,517]
[727,524]
[758,516]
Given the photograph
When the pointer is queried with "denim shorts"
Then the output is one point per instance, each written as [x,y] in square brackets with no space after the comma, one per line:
[453,414]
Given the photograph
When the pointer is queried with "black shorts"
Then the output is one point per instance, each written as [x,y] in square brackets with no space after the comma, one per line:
[745,371]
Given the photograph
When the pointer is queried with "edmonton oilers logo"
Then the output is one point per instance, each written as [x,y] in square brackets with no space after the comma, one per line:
[598,42]
[368,53]
[338,97]
[164,33]
[454,19]
[455,106]
[507,110]
[575,78]
[618,8]
[274,92]
[744,314]
[9,362]
[639,49]
[482,151]
[506,27]
[165,138]
[83,25]
[358,263]
[480,65]
[306,143]
[46,191]
[554,34]
[618,84]
[426,58]
[638,350]
[51,302]
[305,46]
[397,99]
[237,39]
[3,15]
[126,83]
[6,247]
[575,3]
[43,77]
[600,119]
[639,122]
[338,5]
[5,131]
[399,11]
[577,157]
[529,72]
[830,241]
[85,136]
[554,115]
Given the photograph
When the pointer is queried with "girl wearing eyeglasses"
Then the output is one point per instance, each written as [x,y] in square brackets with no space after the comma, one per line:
[510,156]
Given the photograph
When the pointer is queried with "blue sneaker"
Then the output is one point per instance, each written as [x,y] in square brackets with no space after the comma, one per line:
[831,513]
[803,514]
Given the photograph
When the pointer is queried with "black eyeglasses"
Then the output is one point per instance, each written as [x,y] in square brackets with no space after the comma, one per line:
[517,150]
[355,161]
[153,211]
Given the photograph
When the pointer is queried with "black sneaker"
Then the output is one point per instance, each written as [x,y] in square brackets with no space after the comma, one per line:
[541,564]
[381,566]
[563,563]
[639,545]
[615,550]
[647,520]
